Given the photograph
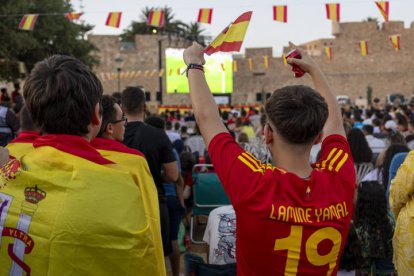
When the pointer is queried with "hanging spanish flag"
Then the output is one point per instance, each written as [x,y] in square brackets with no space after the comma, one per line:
[384,8]
[284,60]
[114,19]
[204,16]
[235,66]
[333,12]
[156,18]
[73,15]
[250,63]
[231,38]
[266,62]
[363,46]
[280,13]
[395,40]
[161,73]
[28,22]
[328,52]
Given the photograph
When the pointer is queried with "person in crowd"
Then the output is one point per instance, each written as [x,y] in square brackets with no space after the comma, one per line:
[109,144]
[67,203]
[269,240]
[196,143]
[175,202]
[374,229]
[4,98]
[9,125]
[17,98]
[351,258]
[402,206]
[172,135]
[361,153]
[156,147]
[220,236]
[376,145]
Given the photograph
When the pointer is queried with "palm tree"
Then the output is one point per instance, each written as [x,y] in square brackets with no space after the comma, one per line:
[194,32]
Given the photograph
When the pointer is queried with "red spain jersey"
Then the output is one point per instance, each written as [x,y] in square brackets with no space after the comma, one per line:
[287,225]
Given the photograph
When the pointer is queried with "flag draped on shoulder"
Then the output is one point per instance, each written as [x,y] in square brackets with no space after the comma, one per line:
[384,8]
[395,40]
[280,13]
[204,16]
[73,15]
[28,22]
[333,12]
[156,18]
[114,19]
[363,46]
[231,38]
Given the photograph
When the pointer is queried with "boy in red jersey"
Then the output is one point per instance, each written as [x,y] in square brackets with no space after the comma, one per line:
[292,218]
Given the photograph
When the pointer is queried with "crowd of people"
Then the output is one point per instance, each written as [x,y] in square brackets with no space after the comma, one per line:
[97,185]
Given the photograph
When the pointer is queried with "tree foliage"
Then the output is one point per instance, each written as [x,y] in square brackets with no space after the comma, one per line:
[53,34]
[172,26]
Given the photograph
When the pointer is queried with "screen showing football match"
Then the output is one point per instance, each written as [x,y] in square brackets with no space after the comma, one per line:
[218,70]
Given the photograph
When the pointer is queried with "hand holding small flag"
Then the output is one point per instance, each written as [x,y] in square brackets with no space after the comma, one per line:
[194,54]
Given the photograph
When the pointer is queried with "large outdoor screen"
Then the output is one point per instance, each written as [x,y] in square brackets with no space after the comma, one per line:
[218,70]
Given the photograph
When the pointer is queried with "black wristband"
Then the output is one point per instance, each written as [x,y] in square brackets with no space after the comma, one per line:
[194,66]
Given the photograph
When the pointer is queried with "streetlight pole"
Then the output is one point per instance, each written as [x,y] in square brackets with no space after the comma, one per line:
[119,62]
[160,67]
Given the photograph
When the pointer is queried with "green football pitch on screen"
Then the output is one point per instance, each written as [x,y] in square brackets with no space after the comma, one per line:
[218,70]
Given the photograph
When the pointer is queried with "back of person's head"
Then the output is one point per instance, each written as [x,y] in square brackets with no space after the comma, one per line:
[372,218]
[133,100]
[61,95]
[118,97]
[108,112]
[243,138]
[177,126]
[168,125]
[187,161]
[155,121]
[368,129]
[395,138]
[26,122]
[298,112]
[361,152]
[184,129]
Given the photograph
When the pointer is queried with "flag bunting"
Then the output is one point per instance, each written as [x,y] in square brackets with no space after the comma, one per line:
[280,13]
[28,22]
[114,19]
[204,16]
[363,46]
[384,8]
[333,12]
[156,18]
[395,40]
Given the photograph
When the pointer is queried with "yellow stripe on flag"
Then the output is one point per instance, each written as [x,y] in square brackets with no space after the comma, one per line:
[235,33]
[284,60]
[328,52]
[395,40]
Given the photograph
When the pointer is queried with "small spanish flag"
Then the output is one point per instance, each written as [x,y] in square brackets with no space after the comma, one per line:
[73,15]
[266,62]
[250,63]
[395,40]
[235,66]
[384,8]
[284,60]
[231,38]
[280,13]
[156,18]
[28,22]
[204,16]
[114,19]
[363,46]
[333,12]
[328,52]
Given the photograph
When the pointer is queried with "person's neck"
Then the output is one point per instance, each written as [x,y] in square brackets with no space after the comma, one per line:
[294,159]
[135,117]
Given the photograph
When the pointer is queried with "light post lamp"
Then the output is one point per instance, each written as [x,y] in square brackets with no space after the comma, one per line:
[119,62]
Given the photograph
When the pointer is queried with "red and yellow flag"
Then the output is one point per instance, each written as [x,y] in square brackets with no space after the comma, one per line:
[231,38]
[266,62]
[204,16]
[235,69]
[328,52]
[395,40]
[384,8]
[73,15]
[333,11]
[114,19]
[250,63]
[280,13]
[161,73]
[363,46]
[156,18]
[28,22]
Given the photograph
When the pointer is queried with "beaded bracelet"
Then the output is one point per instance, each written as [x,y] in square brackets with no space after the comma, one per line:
[194,66]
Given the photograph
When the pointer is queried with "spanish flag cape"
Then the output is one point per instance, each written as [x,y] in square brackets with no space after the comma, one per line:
[134,161]
[22,144]
[67,210]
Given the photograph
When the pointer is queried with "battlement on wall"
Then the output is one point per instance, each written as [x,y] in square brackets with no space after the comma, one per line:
[351,30]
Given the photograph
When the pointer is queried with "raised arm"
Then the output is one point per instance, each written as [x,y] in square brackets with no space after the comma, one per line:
[204,106]
[334,123]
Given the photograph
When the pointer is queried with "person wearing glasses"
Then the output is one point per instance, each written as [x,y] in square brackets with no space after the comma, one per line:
[109,144]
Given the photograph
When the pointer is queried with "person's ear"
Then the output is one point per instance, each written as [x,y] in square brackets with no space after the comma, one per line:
[97,117]
[318,138]
[109,128]
[268,134]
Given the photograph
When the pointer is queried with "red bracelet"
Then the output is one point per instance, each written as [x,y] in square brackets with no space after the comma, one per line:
[194,66]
